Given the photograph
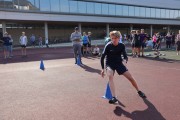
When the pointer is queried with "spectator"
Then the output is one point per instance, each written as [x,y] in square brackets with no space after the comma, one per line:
[154,38]
[178,43]
[6,45]
[33,40]
[89,43]
[96,51]
[11,46]
[85,41]
[23,41]
[143,38]
[47,42]
[132,40]
[76,41]
[40,42]
[173,39]
[168,40]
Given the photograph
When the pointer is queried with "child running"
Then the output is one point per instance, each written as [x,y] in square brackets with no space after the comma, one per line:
[113,51]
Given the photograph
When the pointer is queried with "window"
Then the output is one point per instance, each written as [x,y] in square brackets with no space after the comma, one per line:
[131,11]
[167,13]
[137,11]
[125,11]
[8,4]
[112,9]
[90,7]
[171,13]
[158,13]
[163,13]
[142,12]
[82,7]
[148,12]
[153,12]
[64,6]
[97,8]
[36,3]
[176,14]
[119,10]
[105,9]
[73,6]
[55,5]
[44,5]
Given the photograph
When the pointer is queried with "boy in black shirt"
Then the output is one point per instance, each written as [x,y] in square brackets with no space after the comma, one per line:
[113,51]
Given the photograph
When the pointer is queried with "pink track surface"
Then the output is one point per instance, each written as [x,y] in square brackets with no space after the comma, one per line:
[67,91]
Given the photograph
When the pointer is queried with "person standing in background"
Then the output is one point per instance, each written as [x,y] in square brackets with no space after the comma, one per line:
[168,40]
[33,40]
[23,41]
[76,41]
[6,45]
[40,42]
[143,38]
[47,42]
[89,43]
[10,46]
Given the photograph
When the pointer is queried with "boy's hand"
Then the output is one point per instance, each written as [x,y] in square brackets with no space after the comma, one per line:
[102,73]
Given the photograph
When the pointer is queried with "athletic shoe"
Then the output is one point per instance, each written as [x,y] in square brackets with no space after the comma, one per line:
[113,100]
[141,94]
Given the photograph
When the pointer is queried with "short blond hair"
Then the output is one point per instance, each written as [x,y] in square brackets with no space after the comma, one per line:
[115,33]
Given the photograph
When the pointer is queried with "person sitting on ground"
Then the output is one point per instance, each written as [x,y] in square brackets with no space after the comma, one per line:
[96,51]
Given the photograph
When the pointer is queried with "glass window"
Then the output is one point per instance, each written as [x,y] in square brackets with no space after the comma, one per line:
[36,4]
[97,8]
[153,12]
[6,4]
[176,14]
[137,11]
[148,12]
[90,7]
[44,5]
[105,9]
[82,7]
[112,9]
[119,10]
[179,14]
[131,11]
[163,13]
[125,11]
[158,13]
[73,6]
[55,5]
[142,12]
[64,5]
[167,13]
[171,13]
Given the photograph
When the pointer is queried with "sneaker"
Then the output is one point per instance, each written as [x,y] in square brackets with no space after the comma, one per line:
[113,100]
[141,94]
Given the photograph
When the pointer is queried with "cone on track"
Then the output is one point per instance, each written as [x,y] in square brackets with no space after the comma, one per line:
[78,60]
[42,65]
[108,94]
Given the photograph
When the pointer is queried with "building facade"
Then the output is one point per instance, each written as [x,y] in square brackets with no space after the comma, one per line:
[56,19]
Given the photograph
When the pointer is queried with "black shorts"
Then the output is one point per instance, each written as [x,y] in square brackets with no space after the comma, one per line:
[120,68]
[137,45]
[89,44]
[133,45]
[23,46]
[85,44]
[143,45]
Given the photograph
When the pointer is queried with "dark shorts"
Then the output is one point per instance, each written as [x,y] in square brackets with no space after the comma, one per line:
[23,46]
[178,48]
[133,45]
[89,44]
[119,68]
[137,45]
[85,44]
[143,45]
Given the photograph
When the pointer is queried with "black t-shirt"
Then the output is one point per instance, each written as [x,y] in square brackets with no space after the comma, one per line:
[113,54]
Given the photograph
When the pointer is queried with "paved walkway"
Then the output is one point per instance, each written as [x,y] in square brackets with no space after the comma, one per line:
[67,91]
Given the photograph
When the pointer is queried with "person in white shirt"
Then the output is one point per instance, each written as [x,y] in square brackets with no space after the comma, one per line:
[23,42]
[47,42]
[96,51]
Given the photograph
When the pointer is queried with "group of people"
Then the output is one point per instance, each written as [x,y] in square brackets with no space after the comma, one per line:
[82,45]
[40,41]
[7,42]
[139,40]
